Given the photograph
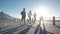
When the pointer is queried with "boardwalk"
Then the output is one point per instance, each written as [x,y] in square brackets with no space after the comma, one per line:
[36,28]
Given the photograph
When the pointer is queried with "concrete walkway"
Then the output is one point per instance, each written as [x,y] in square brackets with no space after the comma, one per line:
[36,28]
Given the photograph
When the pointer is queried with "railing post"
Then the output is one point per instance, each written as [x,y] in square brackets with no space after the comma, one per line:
[53,20]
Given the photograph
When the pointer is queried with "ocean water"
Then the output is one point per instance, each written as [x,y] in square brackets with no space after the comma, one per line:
[57,22]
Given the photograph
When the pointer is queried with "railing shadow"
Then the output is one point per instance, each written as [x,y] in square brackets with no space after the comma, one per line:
[25,30]
[57,26]
[9,30]
[4,27]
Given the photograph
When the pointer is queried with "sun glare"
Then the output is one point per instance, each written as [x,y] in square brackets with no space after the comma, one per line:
[42,11]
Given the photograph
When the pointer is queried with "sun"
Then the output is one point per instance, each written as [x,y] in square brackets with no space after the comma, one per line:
[42,11]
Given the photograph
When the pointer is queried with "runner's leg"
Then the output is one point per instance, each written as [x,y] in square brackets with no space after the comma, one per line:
[21,19]
[24,21]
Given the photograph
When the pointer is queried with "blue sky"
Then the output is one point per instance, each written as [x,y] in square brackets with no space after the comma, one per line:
[14,7]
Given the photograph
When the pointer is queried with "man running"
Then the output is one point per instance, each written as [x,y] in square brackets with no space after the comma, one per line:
[23,13]
[35,16]
[29,16]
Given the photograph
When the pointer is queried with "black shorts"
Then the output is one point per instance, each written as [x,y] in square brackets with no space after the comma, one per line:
[23,17]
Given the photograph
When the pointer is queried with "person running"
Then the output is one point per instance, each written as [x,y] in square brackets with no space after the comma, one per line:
[23,13]
[34,16]
[29,16]
[41,19]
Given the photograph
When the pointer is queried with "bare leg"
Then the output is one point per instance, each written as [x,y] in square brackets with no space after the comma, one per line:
[24,21]
[21,19]
[29,19]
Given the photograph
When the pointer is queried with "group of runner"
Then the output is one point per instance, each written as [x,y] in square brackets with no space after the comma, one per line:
[23,13]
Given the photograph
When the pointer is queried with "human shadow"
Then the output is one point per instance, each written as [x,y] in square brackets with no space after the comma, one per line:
[43,30]
[25,30]
[36,29]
